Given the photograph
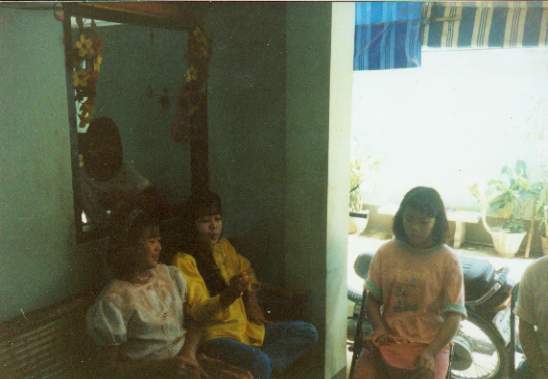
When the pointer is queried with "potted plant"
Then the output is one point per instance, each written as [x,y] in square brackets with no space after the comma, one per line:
[508,197]
[359,216]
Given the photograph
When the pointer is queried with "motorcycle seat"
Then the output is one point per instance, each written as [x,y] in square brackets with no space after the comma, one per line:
[361,264]
[478,276]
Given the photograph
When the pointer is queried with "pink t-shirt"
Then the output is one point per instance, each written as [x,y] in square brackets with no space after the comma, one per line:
[416,287]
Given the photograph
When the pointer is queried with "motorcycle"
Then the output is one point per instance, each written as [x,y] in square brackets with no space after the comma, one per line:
[483,347]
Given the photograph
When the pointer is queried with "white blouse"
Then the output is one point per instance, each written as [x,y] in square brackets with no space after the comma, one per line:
[145,320]
[127,181]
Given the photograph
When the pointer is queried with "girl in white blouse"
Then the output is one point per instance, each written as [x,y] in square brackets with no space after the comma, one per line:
[138,320]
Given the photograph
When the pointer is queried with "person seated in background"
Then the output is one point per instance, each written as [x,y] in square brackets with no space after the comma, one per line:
[222,298]
[107,183]
[532,310]
[137,320]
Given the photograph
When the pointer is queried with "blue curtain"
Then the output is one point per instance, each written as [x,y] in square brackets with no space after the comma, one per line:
[387,35]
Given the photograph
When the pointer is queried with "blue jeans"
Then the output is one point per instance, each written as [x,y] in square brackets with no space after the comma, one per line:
[284,343]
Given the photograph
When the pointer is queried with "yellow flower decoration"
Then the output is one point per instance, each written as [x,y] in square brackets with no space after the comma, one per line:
[199,36]
[191,74]
[84,46]
[80,78]
[97,63]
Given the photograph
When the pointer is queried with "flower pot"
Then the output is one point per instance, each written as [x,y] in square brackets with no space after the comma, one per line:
[544,241]
[358,222]
[507,244]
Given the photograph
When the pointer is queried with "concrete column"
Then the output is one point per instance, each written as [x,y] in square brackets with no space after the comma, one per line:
[319,41]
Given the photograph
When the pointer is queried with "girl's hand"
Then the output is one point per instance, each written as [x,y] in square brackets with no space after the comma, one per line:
[237,285]
[188,367]
[240,282]
[381,337]
[426,362]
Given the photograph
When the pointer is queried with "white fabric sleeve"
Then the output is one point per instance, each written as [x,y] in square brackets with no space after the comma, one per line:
[106,324]
[179,280]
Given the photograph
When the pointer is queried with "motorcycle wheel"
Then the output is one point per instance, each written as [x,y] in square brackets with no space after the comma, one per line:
[485,350]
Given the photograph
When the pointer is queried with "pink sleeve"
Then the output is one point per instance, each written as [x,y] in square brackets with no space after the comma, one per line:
[454,288]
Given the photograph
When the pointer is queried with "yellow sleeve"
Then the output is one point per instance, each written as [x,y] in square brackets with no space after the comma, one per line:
[199,304]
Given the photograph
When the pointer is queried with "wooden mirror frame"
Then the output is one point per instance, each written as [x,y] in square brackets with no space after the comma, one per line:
[166,15]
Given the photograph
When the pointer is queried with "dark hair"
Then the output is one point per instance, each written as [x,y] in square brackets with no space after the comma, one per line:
[203,203]
[101,148]
[198,205]
[428,202]
[100,129]
[127,231]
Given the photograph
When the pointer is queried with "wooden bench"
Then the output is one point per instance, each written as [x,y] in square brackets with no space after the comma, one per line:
[53,343]
[461,218]
[48,343]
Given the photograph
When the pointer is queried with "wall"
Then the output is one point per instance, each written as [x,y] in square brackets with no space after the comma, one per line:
[340,102]
[453,121]
[319,75]
[277,157]
[278,153]
[39,263]
[141,64]
[247,128]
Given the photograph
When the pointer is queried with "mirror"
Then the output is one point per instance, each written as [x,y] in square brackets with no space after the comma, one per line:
[126,81]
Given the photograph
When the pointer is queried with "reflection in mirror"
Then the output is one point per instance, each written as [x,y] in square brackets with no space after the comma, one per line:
[126,82]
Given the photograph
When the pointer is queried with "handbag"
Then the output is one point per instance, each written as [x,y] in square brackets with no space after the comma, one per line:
[397,361]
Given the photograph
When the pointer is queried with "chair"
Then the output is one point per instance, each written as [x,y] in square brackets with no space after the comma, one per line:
[361,267]
[358,336]
[512,349]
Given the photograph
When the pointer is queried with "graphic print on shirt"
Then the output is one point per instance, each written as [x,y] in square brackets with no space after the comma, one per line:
[406,292]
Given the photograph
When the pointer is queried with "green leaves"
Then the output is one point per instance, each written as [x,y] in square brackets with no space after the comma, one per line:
[508,195]
[359,170]
[356,179]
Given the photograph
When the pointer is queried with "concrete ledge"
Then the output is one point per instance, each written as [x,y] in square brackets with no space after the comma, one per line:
[460,218]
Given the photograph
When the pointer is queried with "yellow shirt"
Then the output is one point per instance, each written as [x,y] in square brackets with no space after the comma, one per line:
[217,321]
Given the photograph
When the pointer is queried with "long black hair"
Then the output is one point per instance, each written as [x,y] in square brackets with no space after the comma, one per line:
[201,204]
[427,201]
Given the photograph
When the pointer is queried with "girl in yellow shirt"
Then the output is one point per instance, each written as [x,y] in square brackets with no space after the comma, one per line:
[221,297]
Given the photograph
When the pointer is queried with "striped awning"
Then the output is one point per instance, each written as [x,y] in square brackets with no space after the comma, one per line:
[486,24]
[390,34]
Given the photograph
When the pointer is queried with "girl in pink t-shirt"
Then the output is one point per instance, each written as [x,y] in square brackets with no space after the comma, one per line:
[415,294]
